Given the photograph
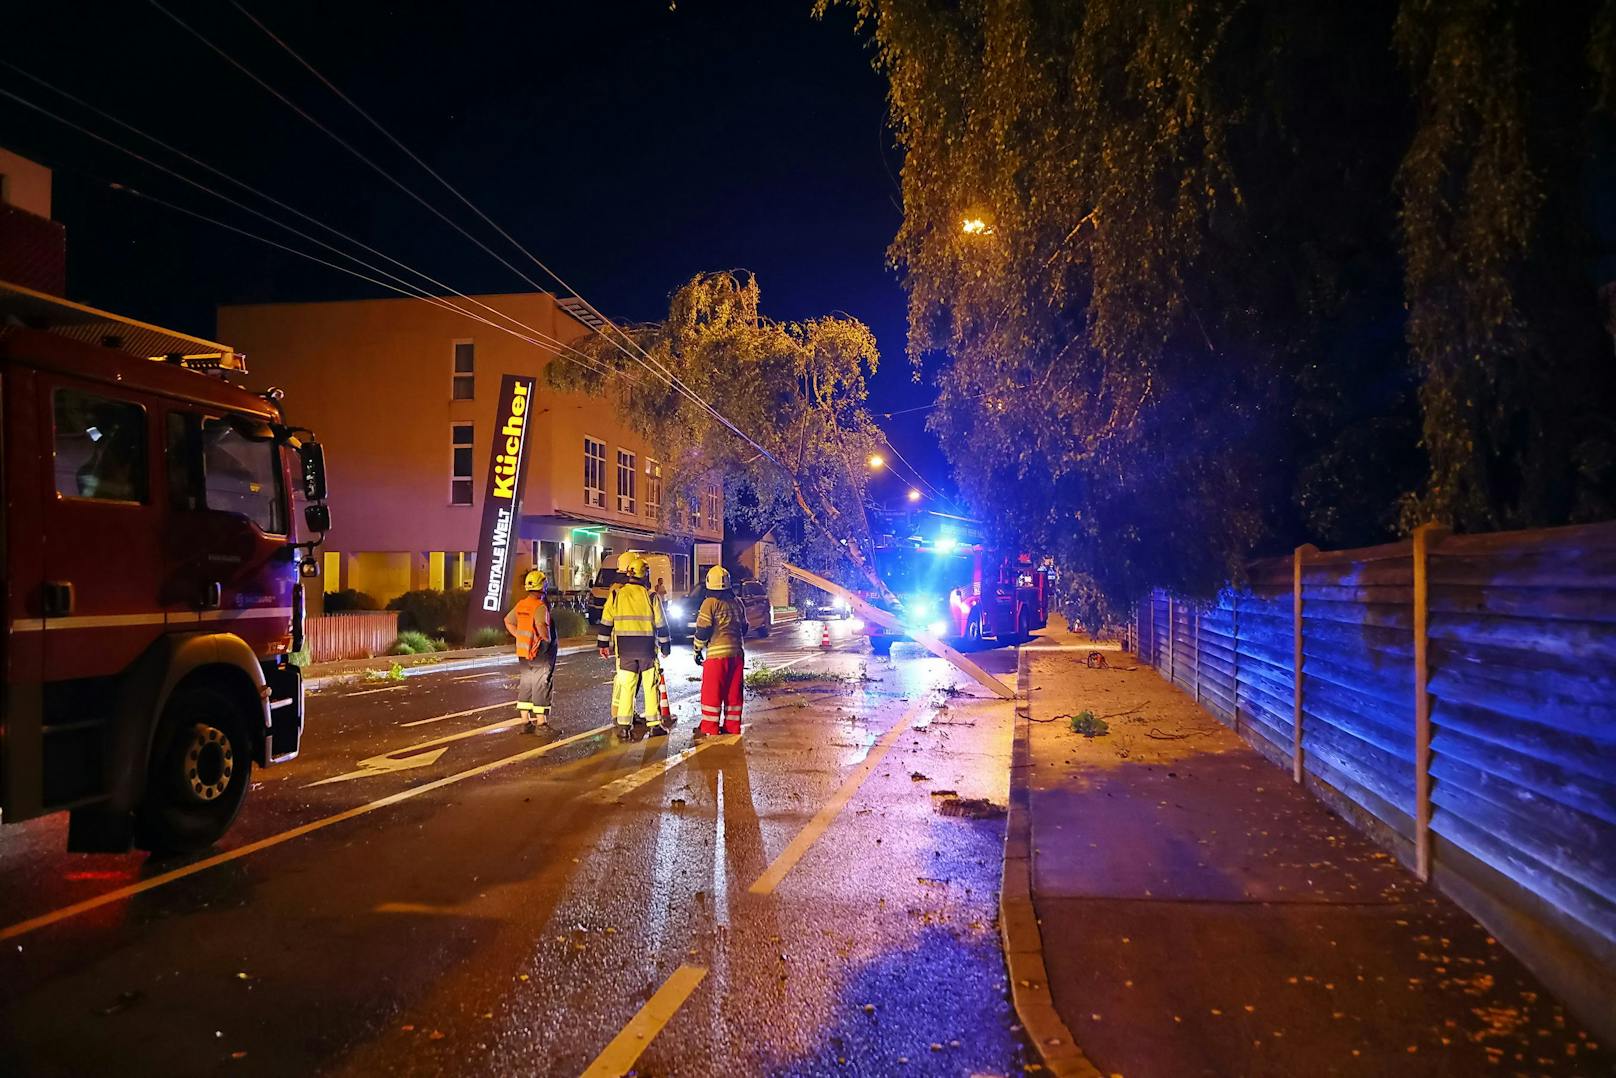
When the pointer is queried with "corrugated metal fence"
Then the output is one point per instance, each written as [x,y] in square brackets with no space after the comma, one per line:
[351,636]
[1454,695]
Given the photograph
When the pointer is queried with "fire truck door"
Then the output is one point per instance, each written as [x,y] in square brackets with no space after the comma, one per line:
[101,530]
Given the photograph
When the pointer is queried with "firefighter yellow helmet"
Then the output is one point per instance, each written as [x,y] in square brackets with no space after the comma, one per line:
[636,569]
[717,578]
[534,581]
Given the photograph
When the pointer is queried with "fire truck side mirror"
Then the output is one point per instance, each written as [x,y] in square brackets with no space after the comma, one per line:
[318,518]
[312,457]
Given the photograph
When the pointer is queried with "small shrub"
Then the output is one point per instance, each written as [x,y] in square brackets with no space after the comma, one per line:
[414,642]
[302,659]
[569,623]
[489,637]
[338,602]
[392,673]
[1086,724]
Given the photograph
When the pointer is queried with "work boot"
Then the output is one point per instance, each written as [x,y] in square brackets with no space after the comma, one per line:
[700,735]
[530,727]
[625,731]
[639,720]
[657,731]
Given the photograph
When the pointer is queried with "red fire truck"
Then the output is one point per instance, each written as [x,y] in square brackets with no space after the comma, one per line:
[958,590]
[152,562]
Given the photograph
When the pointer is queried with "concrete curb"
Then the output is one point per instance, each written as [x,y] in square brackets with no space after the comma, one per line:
[1018,922]
[440,663]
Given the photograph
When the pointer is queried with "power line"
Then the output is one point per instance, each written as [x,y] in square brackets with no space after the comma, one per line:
[538,338]
[649,362]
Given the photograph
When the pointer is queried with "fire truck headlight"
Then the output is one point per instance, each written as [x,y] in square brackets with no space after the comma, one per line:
[920,605]
[937,628]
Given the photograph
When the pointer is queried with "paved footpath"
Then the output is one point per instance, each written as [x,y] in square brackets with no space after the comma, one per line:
[1201,914]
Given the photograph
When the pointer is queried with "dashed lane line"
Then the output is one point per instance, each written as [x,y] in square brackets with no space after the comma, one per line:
[22,928]
[822,820]
[619,1057]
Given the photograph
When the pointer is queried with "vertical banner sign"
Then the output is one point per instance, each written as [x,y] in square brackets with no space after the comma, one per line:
[502,504]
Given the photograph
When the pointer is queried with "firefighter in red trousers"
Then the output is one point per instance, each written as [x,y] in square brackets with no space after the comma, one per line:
[721,650]
[533,626]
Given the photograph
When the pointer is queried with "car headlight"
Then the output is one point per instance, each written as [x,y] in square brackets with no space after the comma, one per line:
[677,609]
[841,603]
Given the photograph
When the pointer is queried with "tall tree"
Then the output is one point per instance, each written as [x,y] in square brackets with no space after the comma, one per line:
[1159,246]
[774,410]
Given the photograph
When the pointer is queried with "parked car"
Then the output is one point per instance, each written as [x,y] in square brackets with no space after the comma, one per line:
[821,605]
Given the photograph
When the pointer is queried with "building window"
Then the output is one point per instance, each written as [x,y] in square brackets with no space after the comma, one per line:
[653,489]
[625,481]
[465,371]
[460,478]
[711,498]
[594,472]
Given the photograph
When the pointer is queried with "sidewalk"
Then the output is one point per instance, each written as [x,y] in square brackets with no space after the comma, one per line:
[320,674]
[1202,915]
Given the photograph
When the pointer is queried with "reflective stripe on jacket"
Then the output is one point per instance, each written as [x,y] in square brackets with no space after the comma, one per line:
[632,615]
[721,625]
[532,625]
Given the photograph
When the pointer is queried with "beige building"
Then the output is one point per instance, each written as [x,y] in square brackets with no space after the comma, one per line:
[403,394]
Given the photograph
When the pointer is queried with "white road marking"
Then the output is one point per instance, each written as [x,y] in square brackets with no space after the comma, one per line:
[33,923]
[367,692]
[822,820]
[619,1057]
[456,715]
[387,761]
[614,790]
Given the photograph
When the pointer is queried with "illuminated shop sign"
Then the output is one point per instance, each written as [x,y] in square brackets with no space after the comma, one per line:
[502,503]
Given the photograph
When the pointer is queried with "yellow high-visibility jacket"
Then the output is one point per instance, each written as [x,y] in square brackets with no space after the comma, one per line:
[721,625]
[633,623]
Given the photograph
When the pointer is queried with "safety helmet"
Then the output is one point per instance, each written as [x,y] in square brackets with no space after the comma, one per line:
[534,581]
[717,578]
[636,569]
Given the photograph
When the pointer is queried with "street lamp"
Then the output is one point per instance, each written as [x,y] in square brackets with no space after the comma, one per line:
[914,495]
[975,226]
[877,462]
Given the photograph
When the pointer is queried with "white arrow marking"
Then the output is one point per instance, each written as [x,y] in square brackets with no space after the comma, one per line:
[397,760]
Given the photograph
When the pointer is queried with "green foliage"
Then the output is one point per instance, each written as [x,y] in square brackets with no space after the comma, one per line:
[338,602]
[488,637]
[415,642]
[435,613]
[796,388]
[303,658]
[1211,235]
[1086,724]
[392,673]
[569,623]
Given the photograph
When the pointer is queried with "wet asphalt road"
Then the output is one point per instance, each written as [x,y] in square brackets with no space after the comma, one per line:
[792,900]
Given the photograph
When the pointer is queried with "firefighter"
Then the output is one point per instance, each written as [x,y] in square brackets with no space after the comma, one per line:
[721,651]
[533,626]
[633,630]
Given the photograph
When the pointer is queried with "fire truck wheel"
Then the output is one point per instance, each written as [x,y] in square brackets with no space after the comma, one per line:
[973,628]
[201,768]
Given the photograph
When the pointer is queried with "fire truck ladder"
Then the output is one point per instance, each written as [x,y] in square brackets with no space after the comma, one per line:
[42,311]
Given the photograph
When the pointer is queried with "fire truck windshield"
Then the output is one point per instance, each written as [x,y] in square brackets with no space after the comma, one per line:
[926,575]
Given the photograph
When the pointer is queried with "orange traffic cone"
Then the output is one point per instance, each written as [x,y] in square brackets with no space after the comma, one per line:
[662,697]
[824,635]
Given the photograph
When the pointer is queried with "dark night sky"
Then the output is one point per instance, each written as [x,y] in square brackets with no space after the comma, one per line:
[626,144]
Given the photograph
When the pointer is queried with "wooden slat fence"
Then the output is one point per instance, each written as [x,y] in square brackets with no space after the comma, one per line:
[1458,702]
[358,635]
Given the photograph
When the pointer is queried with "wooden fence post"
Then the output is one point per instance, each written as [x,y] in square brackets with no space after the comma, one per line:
[1296,673]
[1234,656]
[1172,640]
[1424,536]
[1197,651]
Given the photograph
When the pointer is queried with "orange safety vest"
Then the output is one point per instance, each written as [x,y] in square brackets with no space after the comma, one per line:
[530,624]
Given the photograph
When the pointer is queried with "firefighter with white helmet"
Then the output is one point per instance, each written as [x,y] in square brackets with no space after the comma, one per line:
[720,645]
[533,626]
[633,629]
